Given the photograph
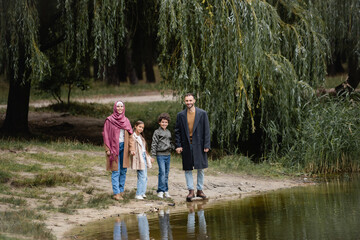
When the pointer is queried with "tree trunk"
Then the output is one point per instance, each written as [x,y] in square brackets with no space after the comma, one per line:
[354,71]
[148,59]
[353,78]
[130,69]
[16,120]
[335,67]
[150,75]
[112,76]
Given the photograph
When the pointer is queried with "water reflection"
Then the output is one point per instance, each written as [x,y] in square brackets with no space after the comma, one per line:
[164,222]
[120,231]
[143,226]
[191,221]
[325,211]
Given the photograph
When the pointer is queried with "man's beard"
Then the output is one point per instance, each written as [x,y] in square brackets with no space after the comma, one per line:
[190,106]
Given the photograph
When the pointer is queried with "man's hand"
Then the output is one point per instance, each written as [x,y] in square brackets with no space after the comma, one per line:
[179,150]
[206,150]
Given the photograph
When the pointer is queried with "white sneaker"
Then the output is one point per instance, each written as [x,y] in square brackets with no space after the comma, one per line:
[160,194]
[161,212]
[139,197]
[167,195]
[144,196]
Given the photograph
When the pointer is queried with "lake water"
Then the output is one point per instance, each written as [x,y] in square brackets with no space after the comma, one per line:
[329,210]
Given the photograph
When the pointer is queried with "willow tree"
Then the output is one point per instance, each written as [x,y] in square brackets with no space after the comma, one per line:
[24,46]
[249,62]
[342,21]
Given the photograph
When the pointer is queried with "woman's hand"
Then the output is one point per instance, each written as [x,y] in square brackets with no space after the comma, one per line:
[108,152]
[132,153]
[152,160]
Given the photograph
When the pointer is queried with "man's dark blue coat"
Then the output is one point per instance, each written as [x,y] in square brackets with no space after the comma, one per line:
[200,139]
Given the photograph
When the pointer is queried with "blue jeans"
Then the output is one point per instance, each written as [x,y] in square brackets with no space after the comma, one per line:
[143,227]
[120,231]
[190,181]
[142,179]
[118,177]
[164,167]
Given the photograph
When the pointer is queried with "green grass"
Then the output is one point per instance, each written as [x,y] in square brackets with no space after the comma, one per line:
[102,200]
[61,145]
[333,81]
[244,165]
[4,176]
[14,201]
[7,164]
[327,140]
[22,223]
[73,202]
[49,179]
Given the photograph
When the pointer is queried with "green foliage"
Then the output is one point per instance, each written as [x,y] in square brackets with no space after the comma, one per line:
[342,21]
[328,139]
[19,24]
[109,30]
[249,62]
[22,222]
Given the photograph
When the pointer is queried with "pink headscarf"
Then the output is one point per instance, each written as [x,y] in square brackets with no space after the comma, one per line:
[111,133]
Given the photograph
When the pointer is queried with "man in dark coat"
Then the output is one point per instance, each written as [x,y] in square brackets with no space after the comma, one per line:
[192,140]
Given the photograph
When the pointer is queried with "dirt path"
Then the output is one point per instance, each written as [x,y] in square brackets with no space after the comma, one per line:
[146,97]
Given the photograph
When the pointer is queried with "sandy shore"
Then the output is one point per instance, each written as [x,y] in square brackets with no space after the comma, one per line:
[218,186]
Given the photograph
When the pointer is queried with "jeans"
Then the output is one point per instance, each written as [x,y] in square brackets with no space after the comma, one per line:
[142,179]
[120,231]
[164,167]
[118,177]
[143,227]
[190,181]
[191,225]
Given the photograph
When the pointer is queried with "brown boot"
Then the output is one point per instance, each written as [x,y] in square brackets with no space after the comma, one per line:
[190,195]
[201,194]
[117,197]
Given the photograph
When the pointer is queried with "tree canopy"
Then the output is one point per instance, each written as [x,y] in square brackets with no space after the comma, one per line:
[249,62]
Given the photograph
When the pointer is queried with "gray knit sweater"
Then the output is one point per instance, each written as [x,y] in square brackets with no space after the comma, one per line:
[161,142]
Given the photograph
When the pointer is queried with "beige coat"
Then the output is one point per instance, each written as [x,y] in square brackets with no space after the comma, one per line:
[128,147]
[136,161]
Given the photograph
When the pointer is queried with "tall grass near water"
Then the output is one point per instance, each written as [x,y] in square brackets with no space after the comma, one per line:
[328,139]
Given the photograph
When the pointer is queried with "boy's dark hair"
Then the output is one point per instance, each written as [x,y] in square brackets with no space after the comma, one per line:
[165,116]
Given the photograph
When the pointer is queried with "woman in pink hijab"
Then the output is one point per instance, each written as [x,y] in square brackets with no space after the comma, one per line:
[118,146]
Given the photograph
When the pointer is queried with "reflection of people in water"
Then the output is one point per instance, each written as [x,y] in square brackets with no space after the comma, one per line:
[165,228]
[120,231]
[201,221]
[143,226]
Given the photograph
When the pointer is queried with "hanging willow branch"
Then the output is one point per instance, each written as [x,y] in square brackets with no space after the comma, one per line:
[246,60]
[109,30]
[20,44]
